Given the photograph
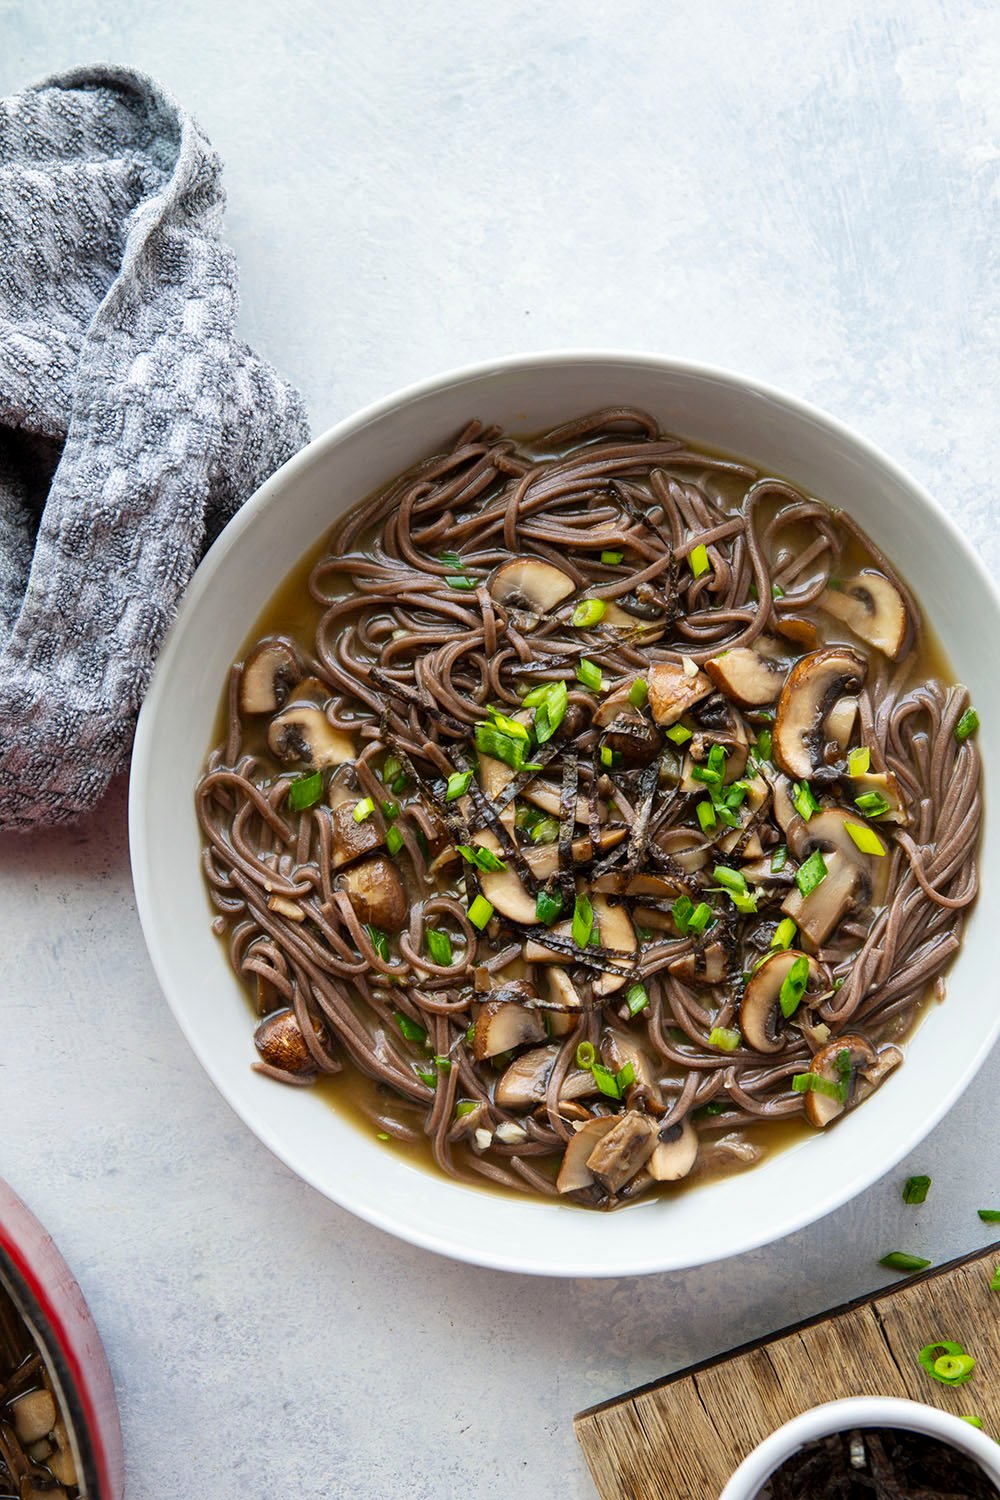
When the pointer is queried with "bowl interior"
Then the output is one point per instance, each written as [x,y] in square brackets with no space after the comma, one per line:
[245,567]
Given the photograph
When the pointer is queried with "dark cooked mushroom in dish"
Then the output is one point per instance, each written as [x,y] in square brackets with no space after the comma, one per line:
[612,812]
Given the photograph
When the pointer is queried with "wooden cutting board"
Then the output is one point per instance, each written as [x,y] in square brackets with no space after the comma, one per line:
[681,1438]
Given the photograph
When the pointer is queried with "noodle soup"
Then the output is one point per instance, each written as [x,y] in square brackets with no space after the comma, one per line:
[591,813]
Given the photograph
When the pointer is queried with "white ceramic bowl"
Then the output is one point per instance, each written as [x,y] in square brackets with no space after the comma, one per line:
[859,1411]
[287,516]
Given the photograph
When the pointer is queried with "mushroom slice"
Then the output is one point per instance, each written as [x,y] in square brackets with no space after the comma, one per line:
[840,721]
[613,703]
[657,887]
[633,739]
[675,1152]
[376,891]
[546,796]
[280,1042]
[494,778]
[840,1063]
[817,914]
[802,632]
[785,811]
[503,1024]
[873,608]
[269,673]
[530,583]
[616,933]
[34,1415]
[705,966]
[502,888]
[574,1174]
[543,859]
[620,1049]
[888,788]
[761,1020]
[811,690]
[562,991]
[751,676]
[524,1083]
[303,732]
[351,838]
[757,795]
[672,692]
[685,847]
[830,829]
[620,1153]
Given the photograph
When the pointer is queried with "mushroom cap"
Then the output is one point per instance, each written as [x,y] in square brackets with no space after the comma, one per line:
[503,889]
[811,690]
[672,691]
[280,1042]
[375,889]
[621,1151]
[302,731]
[686,848]
[821,1108]
[269,673]
[829,830]
[885,783]
[751,676]
[761,1020]
[706,965]
[349,838]
[574,1174]
[524,1082]
[529,582]
[632,737]
[675,1152]
[873,608]
[817,914]
[503,1024]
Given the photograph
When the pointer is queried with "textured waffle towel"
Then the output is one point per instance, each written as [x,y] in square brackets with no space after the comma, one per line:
[133,423]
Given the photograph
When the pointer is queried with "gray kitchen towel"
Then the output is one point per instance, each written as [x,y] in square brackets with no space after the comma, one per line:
[133,422]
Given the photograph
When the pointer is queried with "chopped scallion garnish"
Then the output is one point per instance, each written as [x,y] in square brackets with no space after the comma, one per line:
[428,1076]
[585,1056]
[636,998]
[779,859]
[548,907]
[625,1077]
[698,560]
[700,918]
[803,800]
[810,874]
[898,1260]
[859,761]
[995,1281]
[511,749]
[872,804]
[915,1190]
[679,734]
[638,693]
[363,809]
[438,946]
[724,1038]
[458,785]
[589,673]
[784,934]
[611,559]
[412,1030]
[762,747]
[390,810]
[967,724]
[606,1081]
[482,859]
[682,911]
[706,816]
[480,912]
[550,711]
[460,581]
[306,791]
[793,987]
[545,831]
[393,840]
[465,1107]
[989,1215]
[866,838]
[379,941]
[588,612]
[583,921]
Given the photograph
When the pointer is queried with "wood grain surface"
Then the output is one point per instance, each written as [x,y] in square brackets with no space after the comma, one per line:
[681,1438]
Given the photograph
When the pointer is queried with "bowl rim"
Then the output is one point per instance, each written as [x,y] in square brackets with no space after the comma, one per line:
[795,1218]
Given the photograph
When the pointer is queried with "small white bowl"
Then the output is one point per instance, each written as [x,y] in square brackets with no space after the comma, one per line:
[248,562]
[844,1416]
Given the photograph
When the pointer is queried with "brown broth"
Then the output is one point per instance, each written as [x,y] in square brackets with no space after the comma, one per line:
[291,611]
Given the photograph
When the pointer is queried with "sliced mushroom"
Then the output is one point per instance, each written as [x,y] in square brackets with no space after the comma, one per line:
[758,793]
[34,1415]
[621,1151]
[349,837]
[887,787]
[761,1021]
[502,1025]
[633,738]
[672,692]
[829,829]
[655,887]
[751,676]
[840,721]
[280,1042]
[574,1174]
[817,914]
[873,608]
[704,966]
[811,690]
[802,632]
[686,848]
[736,743]
[612,704]
[620,1049]
[616,932]
[269,673]
[785,811]
[546,796]
[62,1463]
[562,991]
[523,1084]
[376,891]
[494,778]
[502,888]
[543,859]
[862,1061]
[530,583]
[675,1152]
[303,732]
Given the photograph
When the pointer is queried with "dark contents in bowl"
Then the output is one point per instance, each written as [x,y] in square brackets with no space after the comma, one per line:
[884,1463]
[605,811]
[36,1457]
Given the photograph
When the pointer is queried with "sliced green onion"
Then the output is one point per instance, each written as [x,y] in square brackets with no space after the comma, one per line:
[391,769]
[526,817]
[378,940]
[607,756]
[709,1111]
[995,1282]
[460,581]
[974,1422]
[363,809]
[804,802]
[915,1190]
[724,1038]
[898,1260]
[588,612]
[606,1081]
[545,831]
[548,907]
[784,934]
[638,693]
[679,734]
[793,987]
[814,1083]
[682,911]
[611,559]
[698,560]
[380,1135]
[482,859]
[458,785]
[480,912]
[465,1107]
[859,761]
[930,1353]
[636,998]
[412,1030]
[304,792]
[967,724]
[625,1077]
[550,711]
[443,1064]
[585,1056]
[989,1215]
[706,775]
[866,838]
[393,840]
[491,741]
[777,592]
[438,946]
[399,783]
[872,804]
[779,859]
[390,810]
[700,918]
[706,816]
[512,728]
[583,921]
[953,1369]
[428,1076]
[731,880]
[809,875]
[762,747]
[589,674]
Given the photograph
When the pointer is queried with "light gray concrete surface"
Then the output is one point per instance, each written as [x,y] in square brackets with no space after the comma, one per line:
[803,189]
